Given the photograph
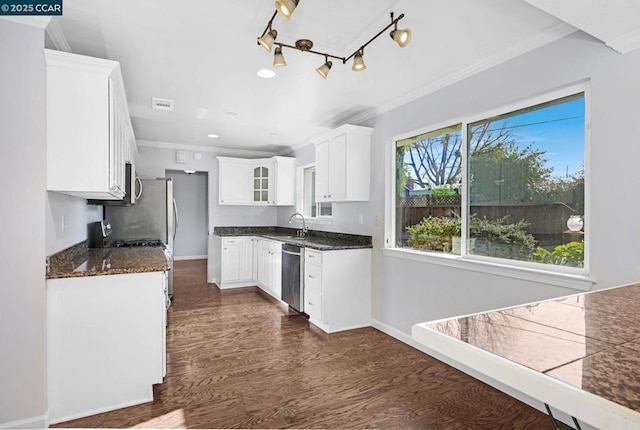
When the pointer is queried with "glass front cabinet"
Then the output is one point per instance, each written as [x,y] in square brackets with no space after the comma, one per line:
[261,185]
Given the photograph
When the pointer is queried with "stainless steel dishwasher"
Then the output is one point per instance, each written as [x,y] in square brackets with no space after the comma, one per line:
[292,277]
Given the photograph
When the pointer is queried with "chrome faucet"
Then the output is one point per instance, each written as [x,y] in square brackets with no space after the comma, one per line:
[304,223]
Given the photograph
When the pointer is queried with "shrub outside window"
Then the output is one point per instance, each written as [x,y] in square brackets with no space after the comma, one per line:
[511,186]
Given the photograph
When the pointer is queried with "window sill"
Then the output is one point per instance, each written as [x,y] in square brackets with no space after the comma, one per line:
[578,281]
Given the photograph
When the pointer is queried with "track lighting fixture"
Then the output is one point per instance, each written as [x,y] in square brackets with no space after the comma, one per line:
[325,68]
[358,62]
[286,7]
[402,37]
[267,39]
[278,58]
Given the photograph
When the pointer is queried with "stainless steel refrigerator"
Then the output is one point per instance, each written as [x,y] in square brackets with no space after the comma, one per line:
[154,216]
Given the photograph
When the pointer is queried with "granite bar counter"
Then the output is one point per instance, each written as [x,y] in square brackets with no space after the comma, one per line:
[80,261]
[579,354]
[319,240]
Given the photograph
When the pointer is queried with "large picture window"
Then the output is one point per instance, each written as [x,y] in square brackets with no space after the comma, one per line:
[510,186]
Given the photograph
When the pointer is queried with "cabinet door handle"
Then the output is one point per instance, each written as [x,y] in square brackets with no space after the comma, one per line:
[311,303]
[312,277]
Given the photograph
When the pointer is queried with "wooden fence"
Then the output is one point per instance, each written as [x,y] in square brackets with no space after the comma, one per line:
[546,221]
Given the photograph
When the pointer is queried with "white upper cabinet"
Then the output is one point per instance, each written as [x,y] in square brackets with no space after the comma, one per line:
[233,183]
[89,132]
[265,181]
[343,165]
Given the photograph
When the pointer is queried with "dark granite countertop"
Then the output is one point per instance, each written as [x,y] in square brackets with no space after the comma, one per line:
[590,341]
[107,261]
[319,240]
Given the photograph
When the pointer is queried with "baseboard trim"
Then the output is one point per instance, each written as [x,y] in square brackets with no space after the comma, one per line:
[190,257]
[101,410]
[38,422]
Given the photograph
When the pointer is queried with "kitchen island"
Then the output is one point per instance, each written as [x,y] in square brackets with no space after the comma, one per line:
[578,354]
[106,326]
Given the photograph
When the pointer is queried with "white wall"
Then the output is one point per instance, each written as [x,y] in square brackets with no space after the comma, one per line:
[22,254]
[153,162]
[76,213]
[406,292]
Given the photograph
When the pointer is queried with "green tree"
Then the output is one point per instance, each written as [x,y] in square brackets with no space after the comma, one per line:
[436,160]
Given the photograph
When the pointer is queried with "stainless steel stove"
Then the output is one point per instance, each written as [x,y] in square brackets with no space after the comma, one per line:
[135,243]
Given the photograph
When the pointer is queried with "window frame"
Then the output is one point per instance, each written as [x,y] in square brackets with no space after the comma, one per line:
[324,219]
[571,277]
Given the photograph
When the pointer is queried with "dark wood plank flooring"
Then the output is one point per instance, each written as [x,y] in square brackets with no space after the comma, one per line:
[238,359]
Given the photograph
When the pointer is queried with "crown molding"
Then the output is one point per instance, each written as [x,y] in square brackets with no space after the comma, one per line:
[34,21]
[54,30]
[626,43]
[552,34]
[202,148]
[80,62]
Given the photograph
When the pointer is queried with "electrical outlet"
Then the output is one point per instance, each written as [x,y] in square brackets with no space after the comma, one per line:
[360,219]
[63,223]
[377,220]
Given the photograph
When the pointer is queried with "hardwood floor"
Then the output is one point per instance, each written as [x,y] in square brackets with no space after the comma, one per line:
[239,359]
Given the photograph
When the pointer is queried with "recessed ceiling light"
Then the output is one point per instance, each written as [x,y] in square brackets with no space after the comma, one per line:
[266,73]
[231,113]
[213,135]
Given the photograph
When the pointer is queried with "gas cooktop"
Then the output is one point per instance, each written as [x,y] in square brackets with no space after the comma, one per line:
[135,243]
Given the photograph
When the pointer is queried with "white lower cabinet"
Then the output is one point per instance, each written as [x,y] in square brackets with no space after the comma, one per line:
[270,268]
[246,261]
[337,284]
[237,259]
[105,342]
[337,288]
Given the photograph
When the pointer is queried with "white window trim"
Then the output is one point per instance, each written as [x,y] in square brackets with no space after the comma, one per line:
[542,273]
[321,220]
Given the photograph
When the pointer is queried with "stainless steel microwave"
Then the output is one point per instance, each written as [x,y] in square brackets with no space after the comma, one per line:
[132,189]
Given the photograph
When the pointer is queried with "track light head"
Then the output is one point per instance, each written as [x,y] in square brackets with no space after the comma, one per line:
[402,37]
[278,58]
[286,7]
[358,62]
[267,40]
[324,69]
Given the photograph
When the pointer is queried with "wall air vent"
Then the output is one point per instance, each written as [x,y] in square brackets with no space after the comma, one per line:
[181,157]
[162,104]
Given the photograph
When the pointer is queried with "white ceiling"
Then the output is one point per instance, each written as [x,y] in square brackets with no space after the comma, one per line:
[615,22]
[203,54]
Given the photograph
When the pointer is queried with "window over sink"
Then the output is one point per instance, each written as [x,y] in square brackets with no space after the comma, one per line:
[313,211]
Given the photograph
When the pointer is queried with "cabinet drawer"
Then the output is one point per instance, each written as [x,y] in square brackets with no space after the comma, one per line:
[313,303]
[313,277]
[314,257]
[230,241]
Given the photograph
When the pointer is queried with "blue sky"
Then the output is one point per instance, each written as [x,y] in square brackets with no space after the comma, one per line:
[558,130]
